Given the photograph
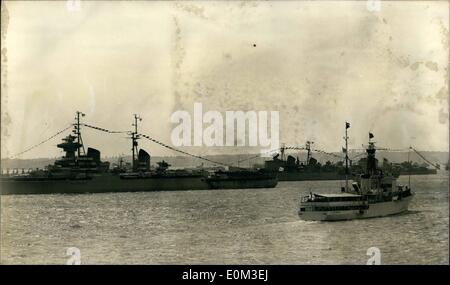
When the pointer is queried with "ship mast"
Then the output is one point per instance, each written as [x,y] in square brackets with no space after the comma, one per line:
[78,132]
[347,125]
[409,167]
[308,148]
[371,167]
[134,138]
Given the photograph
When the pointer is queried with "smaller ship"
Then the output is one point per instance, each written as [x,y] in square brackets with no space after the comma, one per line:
[373,194]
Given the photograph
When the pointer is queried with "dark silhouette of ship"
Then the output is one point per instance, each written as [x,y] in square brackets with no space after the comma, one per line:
[84,172]
[290,168]
[406,168]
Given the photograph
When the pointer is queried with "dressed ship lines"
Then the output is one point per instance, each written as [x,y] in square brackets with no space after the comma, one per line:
[372,194]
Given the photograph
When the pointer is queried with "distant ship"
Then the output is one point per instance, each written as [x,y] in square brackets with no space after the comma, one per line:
[80,172]
[373,194]
[406,168]
[292,169]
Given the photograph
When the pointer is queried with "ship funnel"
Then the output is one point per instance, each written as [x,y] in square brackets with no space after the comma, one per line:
[371,166]
[144,160]
[94,153]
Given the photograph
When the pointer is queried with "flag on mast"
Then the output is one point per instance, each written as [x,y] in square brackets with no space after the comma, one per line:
[370,136]
[347,125]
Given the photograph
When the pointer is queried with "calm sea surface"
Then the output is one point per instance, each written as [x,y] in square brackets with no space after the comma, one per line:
[253,226]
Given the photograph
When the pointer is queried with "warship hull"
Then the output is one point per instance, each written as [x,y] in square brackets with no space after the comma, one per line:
[101,184]
[242,184]
[418,172]
[242,179]
[374,210]
[309,176]
[114,183]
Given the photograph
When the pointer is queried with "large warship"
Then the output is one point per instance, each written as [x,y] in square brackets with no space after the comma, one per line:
[373,194]
[80,171]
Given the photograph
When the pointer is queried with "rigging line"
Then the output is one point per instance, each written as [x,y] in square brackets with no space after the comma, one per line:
[259,155]
[270,151]
[357,149]
[104,130]
[332,154]
[391,149]
[42,142]
[381,148]
[294,148]
[419,154]
[183,152]
[289,148]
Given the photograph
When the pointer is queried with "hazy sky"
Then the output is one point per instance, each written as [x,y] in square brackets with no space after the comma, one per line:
[317,63]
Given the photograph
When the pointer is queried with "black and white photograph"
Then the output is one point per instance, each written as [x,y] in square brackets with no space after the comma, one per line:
[224,133]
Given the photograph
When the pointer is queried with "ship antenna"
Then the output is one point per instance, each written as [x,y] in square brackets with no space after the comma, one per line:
[134,138]
[347,125]
[78,132]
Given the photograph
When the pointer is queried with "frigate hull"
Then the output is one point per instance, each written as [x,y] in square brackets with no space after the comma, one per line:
[103,183]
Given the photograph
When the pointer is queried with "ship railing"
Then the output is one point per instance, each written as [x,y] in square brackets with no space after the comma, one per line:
[339,208]
[337,204]
[17,171]
[312,198]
